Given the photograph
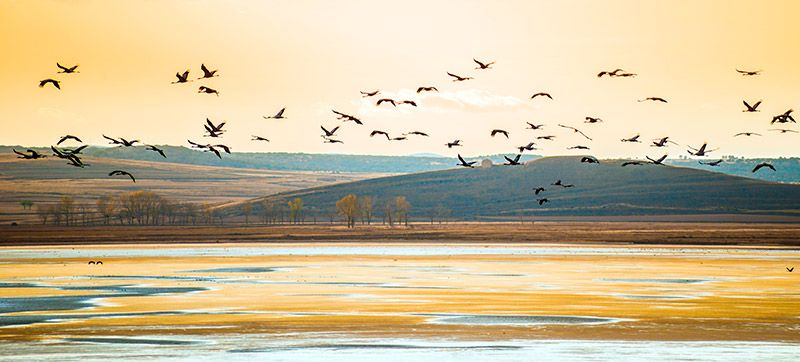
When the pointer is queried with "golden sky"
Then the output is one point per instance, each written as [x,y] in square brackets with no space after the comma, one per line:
[311,56]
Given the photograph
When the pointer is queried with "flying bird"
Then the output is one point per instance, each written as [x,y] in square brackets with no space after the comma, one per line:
[575,130]
[464,163]
[400,138]
[482,65]
[549,138]
[632,139]
[790,269]
[711,163]
[702,151]
[375,132]
[783,130]
[762,165]
[456,143]
[329,133]
[346,117]
[542,201]
[609,73]
[67,69]
[458,78]
[259,138]
[122,173]
[654,99]
[751,108]
[212,129]
[529,147]
[31,155]
[55,83]
[542,94]
[370,94]
[559,183]
[182,78]
[749,72]
[331,140]
[385,100]
[514,161]
[785,117]
[589,159]
[578,147]
[661,142]
[68,137]
[417,133]
[207,90]
[207,73]
[632,163]
[121,141]
[412,103]
[156,149]
[496,131]
[538,190]
[747,134]
[534,126]
[278,115]
[427,89]
[592,120]
[659,161]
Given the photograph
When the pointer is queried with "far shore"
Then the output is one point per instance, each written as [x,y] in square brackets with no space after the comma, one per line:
[778,234]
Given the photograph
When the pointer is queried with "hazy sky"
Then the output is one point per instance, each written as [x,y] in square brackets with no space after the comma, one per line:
[311,56]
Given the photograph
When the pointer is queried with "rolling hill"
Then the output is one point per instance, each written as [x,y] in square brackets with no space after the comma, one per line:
[600,190]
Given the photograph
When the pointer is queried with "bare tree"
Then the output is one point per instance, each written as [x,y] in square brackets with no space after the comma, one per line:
[348,207]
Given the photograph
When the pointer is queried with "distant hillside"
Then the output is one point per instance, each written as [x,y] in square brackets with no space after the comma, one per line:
[788,168]
[281,161]
[600,189]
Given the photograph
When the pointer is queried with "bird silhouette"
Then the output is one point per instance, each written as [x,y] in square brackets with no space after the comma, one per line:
[661,142]
[785,117]
[417,133]
[278,115]
[214,130]
[589,159]
[464,163]
[156,149]
[370,94]
[534,126]
[412,103]
[538,190]
[747,134]
[331,140]
[206,73]
[207,90]
[632,139]
[542,94]
[121,141]
[329,133]
[578,147]
[711,163]
[659,161]
[592,120]
[790,269]
[458,78]
[67,69]
[91,262]
[375,132]
[182,78]
[560,183]
[612,73]
[749,72]
[575,130]
[702,151]
[122,173]
[763,165]
[482,65]
[259,138]
[542,201]
[68,137]
[529,147]
[386,100]
[783,130]
[632,163]
[514,161]
[751,108]
[548,138]
[654,99]
[456,143]
[54,82]
[496,131]
[427,89]
[31,155]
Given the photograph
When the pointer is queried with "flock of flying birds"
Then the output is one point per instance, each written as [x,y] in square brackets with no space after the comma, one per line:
[216,131]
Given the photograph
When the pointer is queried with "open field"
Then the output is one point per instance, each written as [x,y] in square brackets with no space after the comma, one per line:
[264,300]
[703,233]
[46,181]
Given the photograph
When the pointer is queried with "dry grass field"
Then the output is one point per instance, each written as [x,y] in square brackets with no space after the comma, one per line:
[46,181]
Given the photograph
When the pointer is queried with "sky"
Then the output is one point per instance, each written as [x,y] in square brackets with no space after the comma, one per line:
[314,56]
